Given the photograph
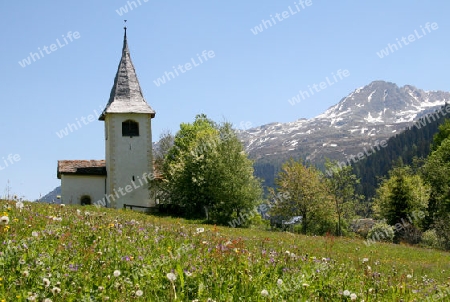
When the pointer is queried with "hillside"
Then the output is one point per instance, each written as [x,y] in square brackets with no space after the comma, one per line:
[55,253]
[369,114]
[403,147]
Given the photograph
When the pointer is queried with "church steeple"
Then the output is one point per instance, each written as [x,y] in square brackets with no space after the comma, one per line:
[126,94]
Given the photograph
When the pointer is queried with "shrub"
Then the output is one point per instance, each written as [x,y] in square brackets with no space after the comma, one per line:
[381,232]
[430,239]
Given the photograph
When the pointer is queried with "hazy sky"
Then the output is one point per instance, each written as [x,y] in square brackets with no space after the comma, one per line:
[248,78]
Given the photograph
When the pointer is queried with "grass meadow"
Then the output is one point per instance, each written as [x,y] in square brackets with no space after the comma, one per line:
[70,253]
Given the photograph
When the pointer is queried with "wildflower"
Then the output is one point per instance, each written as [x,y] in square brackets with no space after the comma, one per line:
[19,205]
[46,282]
[100,288]
[353,297]
[346,293]
[171,277]
[34,234]
[365,260]
[279,282]
[78,212]
[47,300]
[139,293]
[116,273]
[305,284]
[62,205]
[264,293]
[4,220]
[25,273]
[56,290]
[409,276]
[21,261]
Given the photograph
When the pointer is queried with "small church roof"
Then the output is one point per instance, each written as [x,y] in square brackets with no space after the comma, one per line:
[126,94]
[81,167]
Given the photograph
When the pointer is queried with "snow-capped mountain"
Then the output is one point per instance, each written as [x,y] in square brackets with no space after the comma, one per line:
[374,112]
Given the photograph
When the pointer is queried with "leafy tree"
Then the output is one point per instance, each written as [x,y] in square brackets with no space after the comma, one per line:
[158,184]
[444,132]
[401,195]
[307,197]
[341,184]
[436,171]
[208,171]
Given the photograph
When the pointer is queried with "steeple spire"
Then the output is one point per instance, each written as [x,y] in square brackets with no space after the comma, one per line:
[126,94]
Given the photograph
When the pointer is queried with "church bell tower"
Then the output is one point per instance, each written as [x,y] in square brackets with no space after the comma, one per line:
[128,138]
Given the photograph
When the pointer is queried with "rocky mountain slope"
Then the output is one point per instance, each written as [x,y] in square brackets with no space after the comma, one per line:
[370,113]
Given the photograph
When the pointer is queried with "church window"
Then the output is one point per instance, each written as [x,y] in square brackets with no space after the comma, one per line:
[130,128]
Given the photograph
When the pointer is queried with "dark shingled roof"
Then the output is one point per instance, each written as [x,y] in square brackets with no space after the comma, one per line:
[126,95]
[81,167]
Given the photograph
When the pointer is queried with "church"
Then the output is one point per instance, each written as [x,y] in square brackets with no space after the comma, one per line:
[122,179]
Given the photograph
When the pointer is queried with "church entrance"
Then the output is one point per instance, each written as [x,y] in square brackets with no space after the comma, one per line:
[86,200]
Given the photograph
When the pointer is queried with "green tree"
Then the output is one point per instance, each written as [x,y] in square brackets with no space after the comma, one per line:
[436,171]
[341,184]
[444,132]
[307,197]
[207,170]
[400,196]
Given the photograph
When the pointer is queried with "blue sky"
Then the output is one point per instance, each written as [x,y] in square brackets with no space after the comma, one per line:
[248,81]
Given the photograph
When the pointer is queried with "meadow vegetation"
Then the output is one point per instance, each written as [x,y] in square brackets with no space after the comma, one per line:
[50,252]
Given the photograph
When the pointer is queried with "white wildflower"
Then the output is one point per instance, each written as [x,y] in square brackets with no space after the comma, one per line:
[353,297]
[139,293]
[19,205]
[171,276]
[346,293]
[116,273]
[46,282]
[4,220]
[264,293]
[56,290]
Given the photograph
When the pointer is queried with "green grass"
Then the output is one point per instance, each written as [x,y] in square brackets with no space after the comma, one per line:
[82,254]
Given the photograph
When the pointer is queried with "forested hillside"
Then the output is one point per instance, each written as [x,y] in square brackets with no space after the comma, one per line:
[402,148]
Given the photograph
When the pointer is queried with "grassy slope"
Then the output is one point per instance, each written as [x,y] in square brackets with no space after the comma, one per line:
[80,254]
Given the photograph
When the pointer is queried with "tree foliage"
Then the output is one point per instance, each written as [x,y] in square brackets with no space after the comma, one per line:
[341,185]
[436,171]
[208,172]
[307,197]
[400,195]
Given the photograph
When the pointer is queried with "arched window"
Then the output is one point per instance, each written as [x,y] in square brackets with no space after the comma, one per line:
[85,200]
[130,128]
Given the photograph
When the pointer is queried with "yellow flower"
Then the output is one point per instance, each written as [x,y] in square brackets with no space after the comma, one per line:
[15,219]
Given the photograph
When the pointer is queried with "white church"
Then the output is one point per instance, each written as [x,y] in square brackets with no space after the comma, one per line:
[123,177]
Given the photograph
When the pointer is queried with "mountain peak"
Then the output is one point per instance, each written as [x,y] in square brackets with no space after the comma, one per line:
[373,112]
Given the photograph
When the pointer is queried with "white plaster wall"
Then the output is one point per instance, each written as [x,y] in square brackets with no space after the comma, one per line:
[73,187]
[127,157]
